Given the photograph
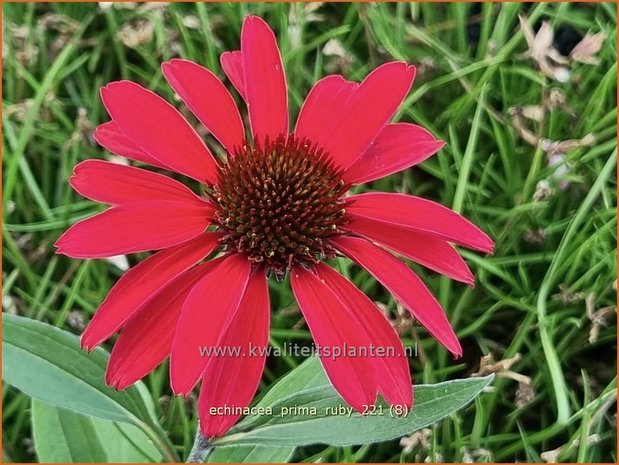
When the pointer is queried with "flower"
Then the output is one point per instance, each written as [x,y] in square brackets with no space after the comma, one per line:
[542,51]
[278,205]
[585,50]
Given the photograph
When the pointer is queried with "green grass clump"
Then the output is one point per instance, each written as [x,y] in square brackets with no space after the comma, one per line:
[546,297]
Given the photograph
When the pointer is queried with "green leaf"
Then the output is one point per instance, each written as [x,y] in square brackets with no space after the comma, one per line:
[251,454]
[62,436]
[307,415]
[308,374]
[125,443]
[47,363]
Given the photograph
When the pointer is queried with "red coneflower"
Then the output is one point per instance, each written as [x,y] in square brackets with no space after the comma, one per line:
[278,204]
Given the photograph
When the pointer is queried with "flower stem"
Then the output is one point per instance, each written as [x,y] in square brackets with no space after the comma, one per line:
[160,442]
[201,448]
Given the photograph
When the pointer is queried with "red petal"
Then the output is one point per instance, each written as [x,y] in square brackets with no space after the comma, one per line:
[405,286]
[109,136]
[231,380]
[398,147]
[327,95]
[361,119]
[207,313]
[146,339]
[159,130]
[114,184]
[135,227]
[208,99]
[265,82]
[430,251]
[421,215]
[232,64]
[394,379]
[140,283]
[335,328]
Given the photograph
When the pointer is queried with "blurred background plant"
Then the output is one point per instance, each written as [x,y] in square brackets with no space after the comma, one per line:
[524,95]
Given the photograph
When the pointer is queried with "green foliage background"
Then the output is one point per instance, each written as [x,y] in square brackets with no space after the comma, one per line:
[556,250]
